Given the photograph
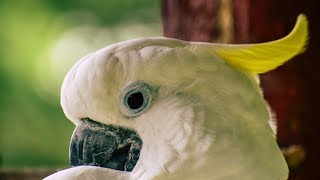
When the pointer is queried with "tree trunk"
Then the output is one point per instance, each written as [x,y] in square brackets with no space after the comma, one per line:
[292,89]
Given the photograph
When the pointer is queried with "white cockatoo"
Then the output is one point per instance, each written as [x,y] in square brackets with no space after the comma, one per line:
[161,108]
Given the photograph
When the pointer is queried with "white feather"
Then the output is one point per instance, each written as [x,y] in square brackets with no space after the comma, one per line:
[208,121]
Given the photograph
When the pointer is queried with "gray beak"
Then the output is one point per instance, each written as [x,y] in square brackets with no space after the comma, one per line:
[108,146]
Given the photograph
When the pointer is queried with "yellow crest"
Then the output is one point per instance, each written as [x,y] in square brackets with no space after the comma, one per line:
[262,57]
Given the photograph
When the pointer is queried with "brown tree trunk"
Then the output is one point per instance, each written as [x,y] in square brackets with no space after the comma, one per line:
[292,90]
[189,20]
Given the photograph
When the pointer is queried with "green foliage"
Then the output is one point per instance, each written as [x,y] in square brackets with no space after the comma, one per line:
[34,130]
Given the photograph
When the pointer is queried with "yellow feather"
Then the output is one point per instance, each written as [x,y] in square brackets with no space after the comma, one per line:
[263,57]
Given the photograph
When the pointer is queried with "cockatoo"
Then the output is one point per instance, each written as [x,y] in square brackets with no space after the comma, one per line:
[161,108]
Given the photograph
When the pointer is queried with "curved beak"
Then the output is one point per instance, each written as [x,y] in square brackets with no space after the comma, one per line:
[109,146]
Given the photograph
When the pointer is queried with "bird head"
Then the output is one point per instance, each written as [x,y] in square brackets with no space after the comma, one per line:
[170,109]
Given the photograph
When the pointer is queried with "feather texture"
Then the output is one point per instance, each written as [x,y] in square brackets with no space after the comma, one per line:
[263,57]
[207,119]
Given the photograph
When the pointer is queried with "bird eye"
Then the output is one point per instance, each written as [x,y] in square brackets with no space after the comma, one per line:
[136,98]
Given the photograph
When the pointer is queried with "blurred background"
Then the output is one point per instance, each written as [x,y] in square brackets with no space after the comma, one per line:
[42,39]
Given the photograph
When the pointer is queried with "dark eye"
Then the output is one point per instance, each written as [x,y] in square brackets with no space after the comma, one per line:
[136,98]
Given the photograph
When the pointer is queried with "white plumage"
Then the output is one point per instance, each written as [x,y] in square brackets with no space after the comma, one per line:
[206,118]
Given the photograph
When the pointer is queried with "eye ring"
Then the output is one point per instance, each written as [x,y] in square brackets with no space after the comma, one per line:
[136,98]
